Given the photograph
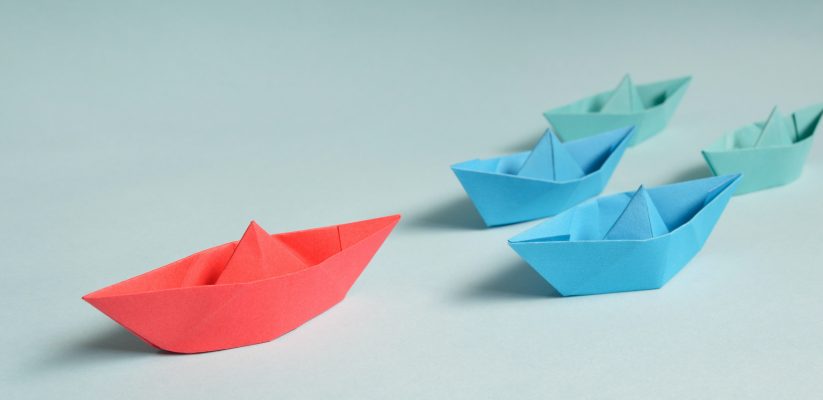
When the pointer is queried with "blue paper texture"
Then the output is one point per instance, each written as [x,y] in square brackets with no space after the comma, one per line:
[627,241]
[553,177]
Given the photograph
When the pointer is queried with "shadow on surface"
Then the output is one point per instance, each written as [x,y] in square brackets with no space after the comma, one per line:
[513,280]
[694,172]
[109,345]
[524,144]
[117,340]
[457,213]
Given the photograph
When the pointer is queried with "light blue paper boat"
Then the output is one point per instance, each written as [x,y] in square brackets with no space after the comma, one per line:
[769,153]
[647,107]
[545,181]
[628,241]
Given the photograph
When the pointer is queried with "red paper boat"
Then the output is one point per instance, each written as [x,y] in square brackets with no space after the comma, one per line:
[245,292]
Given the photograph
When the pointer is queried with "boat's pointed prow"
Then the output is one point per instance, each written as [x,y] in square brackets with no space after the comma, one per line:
[90,298]
[639,220]
[678,202]
[727,182]
[356,231]
[550,160]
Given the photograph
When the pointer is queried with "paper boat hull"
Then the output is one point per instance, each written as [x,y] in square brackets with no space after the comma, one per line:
[580,119]
[502,199]
[761,168]
[607,266]
[215,317]
[766,167]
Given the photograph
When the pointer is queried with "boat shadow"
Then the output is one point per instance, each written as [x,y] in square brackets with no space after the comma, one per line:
[697,171]
[458,213]
[514,280]
[525,143]
[117,340]
[109,345]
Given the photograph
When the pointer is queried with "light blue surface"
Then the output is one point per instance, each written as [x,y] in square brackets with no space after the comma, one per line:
[580,253]
[523,186]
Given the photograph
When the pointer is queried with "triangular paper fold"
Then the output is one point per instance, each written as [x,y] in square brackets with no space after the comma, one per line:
[777,131]
[550,160]
[639,220]
[625,98]
[259,255]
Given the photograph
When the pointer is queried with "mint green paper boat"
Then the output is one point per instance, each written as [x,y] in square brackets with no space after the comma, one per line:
[648,107]
[770,153]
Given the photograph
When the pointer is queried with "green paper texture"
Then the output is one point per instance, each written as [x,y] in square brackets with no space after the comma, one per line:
[618,108]
[768,154]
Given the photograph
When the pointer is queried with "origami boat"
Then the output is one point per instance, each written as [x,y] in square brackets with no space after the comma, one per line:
[245,292]
[545,181]
[647,107]
[628,241]
[769,153]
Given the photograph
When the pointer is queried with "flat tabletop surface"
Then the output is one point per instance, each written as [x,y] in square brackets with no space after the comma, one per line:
[132,135]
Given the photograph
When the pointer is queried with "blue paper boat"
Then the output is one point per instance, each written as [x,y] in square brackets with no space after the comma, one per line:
[769,153]
[628,241]
[647,107]
[545,181]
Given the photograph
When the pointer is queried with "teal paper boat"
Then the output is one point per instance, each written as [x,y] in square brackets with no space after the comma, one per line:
[647,107]
[628,241]
[769,153]
[545,181]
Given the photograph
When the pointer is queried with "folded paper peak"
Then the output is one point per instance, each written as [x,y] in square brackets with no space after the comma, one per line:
[639,220]
[550,160]
[623,99]
[776,131]
[259,255]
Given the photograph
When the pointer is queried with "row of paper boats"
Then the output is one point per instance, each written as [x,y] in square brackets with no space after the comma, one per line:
[634,240]
[628,241]
[263,286]
[556,175]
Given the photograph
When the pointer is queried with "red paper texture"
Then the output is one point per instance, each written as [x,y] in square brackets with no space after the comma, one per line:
[244,292]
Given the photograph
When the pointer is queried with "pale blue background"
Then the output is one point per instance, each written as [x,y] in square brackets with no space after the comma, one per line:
[135,133]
